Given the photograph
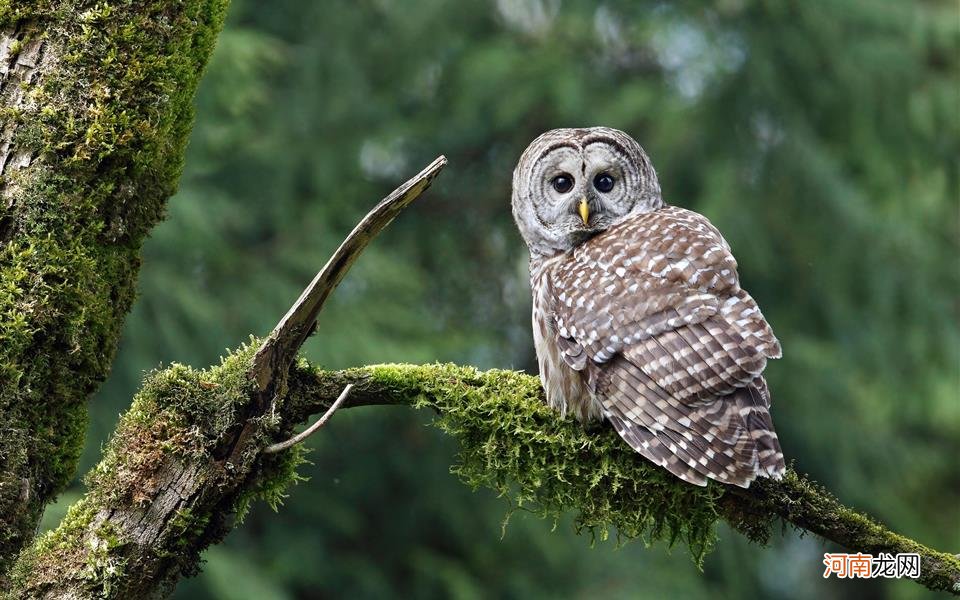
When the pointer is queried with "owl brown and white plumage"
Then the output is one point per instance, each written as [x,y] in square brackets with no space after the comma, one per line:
[638,313]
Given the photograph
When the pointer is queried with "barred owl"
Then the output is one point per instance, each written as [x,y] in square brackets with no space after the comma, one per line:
[638,313]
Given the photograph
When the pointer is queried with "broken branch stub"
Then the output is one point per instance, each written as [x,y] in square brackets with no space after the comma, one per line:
[281,346]
[272,361]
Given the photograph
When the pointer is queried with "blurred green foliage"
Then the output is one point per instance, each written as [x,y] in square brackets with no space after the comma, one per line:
[821,138]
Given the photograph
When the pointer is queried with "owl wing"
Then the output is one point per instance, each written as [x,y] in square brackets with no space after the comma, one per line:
[652,313]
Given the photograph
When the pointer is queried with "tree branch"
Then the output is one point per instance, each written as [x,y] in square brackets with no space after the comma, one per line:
[280,349]
[190,456]
[810,507]
[275,355]
[303,435]
[453,391]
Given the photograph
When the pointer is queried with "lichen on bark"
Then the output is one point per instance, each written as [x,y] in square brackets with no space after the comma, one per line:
[95,109]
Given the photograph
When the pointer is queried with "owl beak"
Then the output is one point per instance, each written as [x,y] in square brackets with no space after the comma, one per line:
[584,209]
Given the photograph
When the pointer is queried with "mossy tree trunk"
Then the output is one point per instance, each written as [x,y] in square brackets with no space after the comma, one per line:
[95,110]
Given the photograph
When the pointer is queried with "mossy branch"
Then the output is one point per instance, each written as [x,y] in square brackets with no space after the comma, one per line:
[161,495]
[511,442]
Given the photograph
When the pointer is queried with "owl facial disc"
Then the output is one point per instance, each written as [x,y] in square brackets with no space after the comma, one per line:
[571,184]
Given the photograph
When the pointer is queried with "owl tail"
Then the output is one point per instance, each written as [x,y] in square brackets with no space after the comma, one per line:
[753,402]
[729,439]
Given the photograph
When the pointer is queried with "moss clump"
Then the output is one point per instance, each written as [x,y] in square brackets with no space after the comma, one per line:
[175,435]
[270,483]
[512,442]
[89,547]
[181,414]
[105,121]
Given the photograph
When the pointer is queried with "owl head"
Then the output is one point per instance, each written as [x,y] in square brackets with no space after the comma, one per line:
[571,184]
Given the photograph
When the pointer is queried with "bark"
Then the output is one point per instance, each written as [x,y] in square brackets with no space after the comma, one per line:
[95,109]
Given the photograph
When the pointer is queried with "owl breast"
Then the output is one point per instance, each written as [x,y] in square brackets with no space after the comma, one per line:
[566,389]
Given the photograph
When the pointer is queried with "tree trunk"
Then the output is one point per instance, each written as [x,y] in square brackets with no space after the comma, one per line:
[95,110]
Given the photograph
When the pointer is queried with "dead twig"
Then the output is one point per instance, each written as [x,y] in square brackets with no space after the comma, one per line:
[281,347]
[281,446]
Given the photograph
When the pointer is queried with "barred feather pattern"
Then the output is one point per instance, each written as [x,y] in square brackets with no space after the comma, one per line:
[646,325]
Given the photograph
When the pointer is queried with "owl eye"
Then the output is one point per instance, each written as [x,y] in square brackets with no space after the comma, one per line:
[563,183]
[603,182]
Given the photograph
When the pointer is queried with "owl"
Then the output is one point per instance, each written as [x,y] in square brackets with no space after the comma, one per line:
[638,313]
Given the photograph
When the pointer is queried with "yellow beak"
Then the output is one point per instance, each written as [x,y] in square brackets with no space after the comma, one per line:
[584,210]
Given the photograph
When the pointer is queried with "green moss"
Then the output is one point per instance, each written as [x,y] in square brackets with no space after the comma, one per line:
[180,413]
[809,507]
[9,15]
[88,548]
[189,414]
[511,442]
[106,123]
[270,483]
[185,527]
[182,418]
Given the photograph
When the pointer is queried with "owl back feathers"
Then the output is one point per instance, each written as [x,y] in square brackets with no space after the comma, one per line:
[651,316]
